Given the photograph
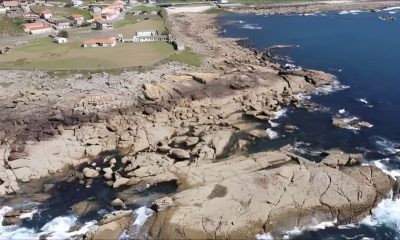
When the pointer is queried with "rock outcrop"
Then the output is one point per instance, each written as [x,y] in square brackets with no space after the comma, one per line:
[245,196]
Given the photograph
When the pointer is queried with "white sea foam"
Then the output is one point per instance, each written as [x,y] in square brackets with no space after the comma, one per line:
[265,236]
[392,12]
[317,226]
[391,172]
[391,8]
[386,146]
[55,229]
[271,134]
[280,113]
[354,12]
[386,212]
[273,124]
[302,96]
[342,111]
[251,26]
[362,100]
[143,213]
[303,148]
[28,214]
[327,89]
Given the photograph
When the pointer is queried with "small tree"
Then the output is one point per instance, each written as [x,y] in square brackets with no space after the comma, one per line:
[63,34]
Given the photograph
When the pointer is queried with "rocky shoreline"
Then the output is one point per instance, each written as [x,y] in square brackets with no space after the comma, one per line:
[185,126]
[314,7]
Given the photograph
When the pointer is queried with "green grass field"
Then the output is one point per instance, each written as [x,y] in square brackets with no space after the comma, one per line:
[147,9]
[8,27]
[132,19]
[62,12]
[46,55]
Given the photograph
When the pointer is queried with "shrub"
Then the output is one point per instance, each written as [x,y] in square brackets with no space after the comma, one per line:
[63,34]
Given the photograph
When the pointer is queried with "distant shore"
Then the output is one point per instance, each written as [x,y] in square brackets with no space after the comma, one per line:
[312,7]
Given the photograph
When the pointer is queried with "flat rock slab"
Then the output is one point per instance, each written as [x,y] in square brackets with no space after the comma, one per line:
[243,197]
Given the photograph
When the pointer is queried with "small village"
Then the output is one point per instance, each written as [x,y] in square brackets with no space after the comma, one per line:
[82,24]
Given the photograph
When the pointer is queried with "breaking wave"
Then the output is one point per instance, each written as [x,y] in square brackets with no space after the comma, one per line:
[386,212]
[391,8]
[58,228]
[327,89]
[271,134]
[280,113]
[354,12]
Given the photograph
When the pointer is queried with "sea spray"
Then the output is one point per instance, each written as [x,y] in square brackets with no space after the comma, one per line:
[57,229]
[386,212]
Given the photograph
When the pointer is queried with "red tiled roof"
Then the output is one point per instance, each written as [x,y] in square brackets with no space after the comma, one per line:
[101,41]
[33,25]
[10,4]
[42,27]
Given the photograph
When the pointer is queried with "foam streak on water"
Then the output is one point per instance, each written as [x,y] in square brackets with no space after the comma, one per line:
[56,229]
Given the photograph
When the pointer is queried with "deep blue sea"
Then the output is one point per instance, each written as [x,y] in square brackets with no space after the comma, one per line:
[363,52]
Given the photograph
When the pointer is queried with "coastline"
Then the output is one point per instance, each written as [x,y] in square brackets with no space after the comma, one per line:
[313,7]
[198,112]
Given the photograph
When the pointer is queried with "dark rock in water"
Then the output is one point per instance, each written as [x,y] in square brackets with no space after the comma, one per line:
[162,204]
[85,207]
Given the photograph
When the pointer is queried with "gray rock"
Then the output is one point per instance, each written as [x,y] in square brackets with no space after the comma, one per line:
[180,154]
[90,172]
[117,203]
[120,182]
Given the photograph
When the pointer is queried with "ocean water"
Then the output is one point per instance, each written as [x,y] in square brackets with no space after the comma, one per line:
[363,52]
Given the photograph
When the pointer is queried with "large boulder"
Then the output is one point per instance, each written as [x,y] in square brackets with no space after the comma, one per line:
[339,158]
[111,226]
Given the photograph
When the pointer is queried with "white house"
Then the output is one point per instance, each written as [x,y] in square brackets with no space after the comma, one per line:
[11,6]
[146,33]
[104,25]
[77,19]
[62,24]
[46,14]
[2,10]
[60,40]
[150,36]
[76,3]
